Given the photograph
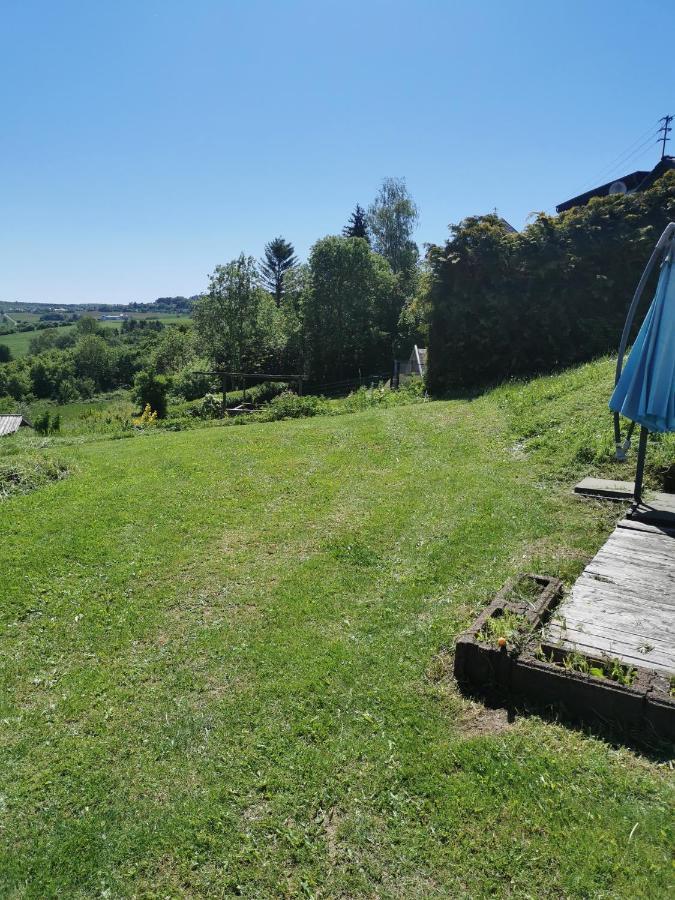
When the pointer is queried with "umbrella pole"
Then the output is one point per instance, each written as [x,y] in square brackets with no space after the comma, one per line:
[640,471]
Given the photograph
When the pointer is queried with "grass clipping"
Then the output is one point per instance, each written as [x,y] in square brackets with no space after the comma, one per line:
[20,476]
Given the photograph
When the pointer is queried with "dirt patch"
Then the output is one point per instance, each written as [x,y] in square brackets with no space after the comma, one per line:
[331,823]
[479,720]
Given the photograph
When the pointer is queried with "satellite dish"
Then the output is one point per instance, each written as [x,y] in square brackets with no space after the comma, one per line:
[618,187]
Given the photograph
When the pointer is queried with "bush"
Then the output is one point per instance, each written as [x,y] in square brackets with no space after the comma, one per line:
[268,390]
[367,398]
[211,407]
[289,406]
[146,418]
[5,353]
[152,389]
[191,384]
[506,304]
[46,424]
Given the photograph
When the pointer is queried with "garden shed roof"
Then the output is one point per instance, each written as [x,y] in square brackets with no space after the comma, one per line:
[12,423]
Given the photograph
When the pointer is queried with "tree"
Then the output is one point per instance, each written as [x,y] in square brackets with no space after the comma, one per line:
[94,360]
[236,320]
[350,285]
[173,350]
[151,389]
[392,218]
[278,260]
[357,225]
[87,325]
[5,353]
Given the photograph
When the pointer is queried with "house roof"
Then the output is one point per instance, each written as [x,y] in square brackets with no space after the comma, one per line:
[635,181]
[12,423]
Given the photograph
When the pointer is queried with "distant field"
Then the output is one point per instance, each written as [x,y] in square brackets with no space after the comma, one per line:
[19,316]
[19,342]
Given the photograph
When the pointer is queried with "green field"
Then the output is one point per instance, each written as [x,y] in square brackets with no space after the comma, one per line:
[19,341]
[225,665]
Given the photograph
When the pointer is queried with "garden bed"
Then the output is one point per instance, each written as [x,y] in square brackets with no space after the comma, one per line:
[503,651]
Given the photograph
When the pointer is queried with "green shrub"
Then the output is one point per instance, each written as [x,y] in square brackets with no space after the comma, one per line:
[191,383]
[151,388]
[367,398]
[268,390]
[211,407]
[41,423]
[5,353]
[290,406]
[44,423]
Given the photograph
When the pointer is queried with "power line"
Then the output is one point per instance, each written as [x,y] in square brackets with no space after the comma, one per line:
[646,136]
[650,142]
[624,158]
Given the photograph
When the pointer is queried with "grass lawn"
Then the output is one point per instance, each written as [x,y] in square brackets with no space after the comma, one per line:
[223,664]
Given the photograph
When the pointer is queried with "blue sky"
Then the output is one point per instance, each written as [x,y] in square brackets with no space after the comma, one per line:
[144,142]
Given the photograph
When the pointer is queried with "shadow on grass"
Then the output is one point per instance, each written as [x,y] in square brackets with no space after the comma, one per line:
[650,746]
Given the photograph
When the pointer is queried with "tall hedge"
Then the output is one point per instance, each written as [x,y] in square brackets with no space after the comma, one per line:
[554,294]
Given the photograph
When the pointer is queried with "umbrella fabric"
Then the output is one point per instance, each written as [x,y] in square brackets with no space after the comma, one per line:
[645,392]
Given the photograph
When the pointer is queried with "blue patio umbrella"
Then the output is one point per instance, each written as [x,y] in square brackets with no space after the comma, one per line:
[645,386]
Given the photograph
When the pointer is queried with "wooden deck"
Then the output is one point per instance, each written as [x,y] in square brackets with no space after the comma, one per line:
[623,604]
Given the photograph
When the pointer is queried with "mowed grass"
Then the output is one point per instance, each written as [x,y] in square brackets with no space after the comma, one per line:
[224,664]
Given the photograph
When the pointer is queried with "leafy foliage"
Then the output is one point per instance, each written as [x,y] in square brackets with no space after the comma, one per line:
[150,389]
[288,405]
[351,289]
[504,304]
[235,321]
[392,218]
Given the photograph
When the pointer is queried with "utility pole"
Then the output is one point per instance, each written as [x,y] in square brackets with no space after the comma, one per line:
[665,129]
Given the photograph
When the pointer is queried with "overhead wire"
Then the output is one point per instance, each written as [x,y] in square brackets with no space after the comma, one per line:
[637,147]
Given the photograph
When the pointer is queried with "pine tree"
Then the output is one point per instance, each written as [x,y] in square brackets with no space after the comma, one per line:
[278,259]
[357,226]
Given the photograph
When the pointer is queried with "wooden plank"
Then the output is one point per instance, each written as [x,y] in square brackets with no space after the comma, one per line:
[657,508]
[618,558]
[624,600]
[592,590]
[616,600]
[652,581]
[657,632]
[657,536]
[640,537]
[637,525]
[600,645]
[661,615]
[605,487]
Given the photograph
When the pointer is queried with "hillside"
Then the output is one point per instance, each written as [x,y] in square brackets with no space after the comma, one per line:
[224,661]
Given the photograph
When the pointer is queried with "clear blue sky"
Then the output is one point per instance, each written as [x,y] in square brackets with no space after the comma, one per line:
[145,141]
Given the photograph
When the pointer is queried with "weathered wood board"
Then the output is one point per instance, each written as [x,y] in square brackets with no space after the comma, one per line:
[605,487]
[623,604]
[657,508]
